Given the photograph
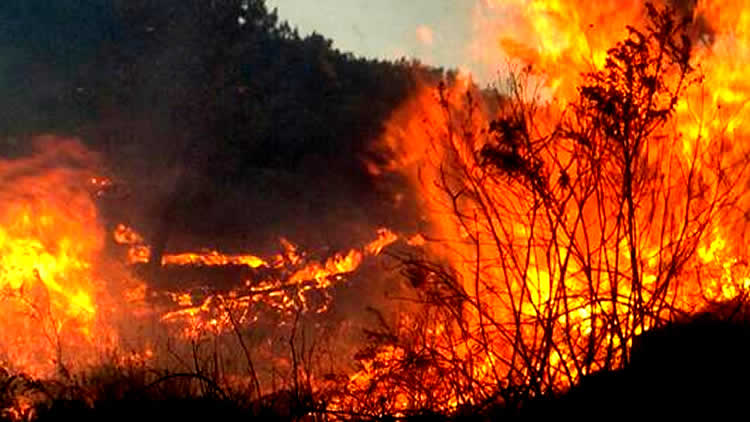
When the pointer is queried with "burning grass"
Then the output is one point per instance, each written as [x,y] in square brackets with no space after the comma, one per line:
[712,345]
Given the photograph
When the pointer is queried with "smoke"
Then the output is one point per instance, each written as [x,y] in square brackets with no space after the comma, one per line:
[49,153]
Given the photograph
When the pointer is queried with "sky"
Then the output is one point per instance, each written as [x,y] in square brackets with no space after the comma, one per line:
[437,32]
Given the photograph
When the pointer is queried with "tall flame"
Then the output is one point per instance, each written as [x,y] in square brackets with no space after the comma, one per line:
[546,290]
[50,238]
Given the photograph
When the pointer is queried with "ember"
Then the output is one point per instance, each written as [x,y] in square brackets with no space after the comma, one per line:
[50,239]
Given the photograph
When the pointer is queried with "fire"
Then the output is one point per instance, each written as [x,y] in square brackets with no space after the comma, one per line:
[140,252]
[213,258]
[425,35]
[560,39]
[292,283]
[50,238]
[557,232]
[560,259]
[70,305]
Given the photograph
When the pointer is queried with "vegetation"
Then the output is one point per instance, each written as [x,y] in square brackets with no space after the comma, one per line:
[686,368]
[575,232]
[225,89]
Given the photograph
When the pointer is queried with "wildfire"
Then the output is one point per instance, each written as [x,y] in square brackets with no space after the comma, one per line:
[546,253]
[291,283]
[49,241]
[562,41]
[68,304]
[555,276]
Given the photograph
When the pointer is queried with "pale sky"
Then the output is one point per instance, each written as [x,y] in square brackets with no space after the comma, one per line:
[437,32]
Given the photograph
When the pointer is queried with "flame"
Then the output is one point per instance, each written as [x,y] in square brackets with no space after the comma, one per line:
[213,258]
[69,305]
[50,237]
[286,288]
[572,280]
[527,312]
[385,238]
[559,39]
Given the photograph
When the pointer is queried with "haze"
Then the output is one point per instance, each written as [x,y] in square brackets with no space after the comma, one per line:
[437,32]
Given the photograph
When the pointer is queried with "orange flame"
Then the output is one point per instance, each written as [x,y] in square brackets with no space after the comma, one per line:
[293,278]
[514,278]
[57,305]
[49,240]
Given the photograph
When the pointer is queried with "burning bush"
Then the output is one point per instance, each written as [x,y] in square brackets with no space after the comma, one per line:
[568,225]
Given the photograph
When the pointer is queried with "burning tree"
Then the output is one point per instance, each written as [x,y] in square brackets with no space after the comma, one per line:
[566,228]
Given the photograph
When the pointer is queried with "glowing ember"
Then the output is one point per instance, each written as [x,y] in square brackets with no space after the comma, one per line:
[286,288]
[212,258]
